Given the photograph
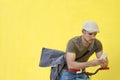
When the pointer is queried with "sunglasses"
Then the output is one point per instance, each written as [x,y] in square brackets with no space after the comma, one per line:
[94,33]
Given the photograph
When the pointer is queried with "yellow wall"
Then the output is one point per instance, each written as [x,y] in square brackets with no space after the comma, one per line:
[28,25]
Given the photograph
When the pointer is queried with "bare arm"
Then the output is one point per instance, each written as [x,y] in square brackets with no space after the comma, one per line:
[72,64]
[105,64]
[98,54]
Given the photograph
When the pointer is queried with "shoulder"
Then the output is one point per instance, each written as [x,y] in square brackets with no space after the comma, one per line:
[98,45]
[97,42]
[75,39]
[73,43]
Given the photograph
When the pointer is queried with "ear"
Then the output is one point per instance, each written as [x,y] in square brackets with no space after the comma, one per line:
[83,31]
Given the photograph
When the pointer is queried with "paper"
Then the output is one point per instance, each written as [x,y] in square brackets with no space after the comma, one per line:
[103,56]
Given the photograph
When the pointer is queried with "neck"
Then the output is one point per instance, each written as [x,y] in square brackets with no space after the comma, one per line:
[85,42]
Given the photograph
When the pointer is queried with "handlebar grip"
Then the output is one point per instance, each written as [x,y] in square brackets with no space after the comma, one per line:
[107,68]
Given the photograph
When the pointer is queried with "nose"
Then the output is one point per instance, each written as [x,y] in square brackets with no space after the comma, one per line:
[93,36]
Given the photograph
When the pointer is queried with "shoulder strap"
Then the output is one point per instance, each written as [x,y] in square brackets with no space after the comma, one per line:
[83,55]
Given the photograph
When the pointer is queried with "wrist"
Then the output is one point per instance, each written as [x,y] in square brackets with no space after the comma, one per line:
[88,64]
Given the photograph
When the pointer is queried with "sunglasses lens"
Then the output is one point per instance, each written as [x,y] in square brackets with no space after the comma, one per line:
[90,33]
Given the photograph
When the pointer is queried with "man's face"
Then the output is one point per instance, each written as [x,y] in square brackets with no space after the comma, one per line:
[89,36]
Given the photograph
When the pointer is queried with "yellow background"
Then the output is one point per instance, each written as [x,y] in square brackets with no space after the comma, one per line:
[28,25]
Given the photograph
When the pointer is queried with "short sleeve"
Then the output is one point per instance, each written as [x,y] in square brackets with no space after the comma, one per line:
[98,46]
[70,46]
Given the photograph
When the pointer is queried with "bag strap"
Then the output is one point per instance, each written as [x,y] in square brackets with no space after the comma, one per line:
[83,55]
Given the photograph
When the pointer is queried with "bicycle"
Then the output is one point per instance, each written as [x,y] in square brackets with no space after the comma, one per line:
[88,74]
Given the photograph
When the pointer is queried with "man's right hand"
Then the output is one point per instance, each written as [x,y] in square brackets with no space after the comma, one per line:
[97,62]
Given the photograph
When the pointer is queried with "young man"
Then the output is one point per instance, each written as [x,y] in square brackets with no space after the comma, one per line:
[78,51]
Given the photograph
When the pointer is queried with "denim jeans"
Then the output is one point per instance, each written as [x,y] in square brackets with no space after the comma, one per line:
[66,75]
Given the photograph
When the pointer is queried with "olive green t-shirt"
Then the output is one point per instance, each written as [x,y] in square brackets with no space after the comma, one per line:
[76,46]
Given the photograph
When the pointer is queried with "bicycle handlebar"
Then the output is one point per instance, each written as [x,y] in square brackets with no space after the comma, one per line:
[96,71]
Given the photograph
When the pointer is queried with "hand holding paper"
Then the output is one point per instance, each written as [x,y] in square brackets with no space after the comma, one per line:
[103,56]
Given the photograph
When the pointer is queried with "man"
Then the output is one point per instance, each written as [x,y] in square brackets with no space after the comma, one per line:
[78,51]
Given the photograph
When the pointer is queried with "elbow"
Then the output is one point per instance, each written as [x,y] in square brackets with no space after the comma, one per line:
[71,65]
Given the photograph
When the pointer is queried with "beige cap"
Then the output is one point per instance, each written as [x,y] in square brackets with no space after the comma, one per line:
[90,26]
